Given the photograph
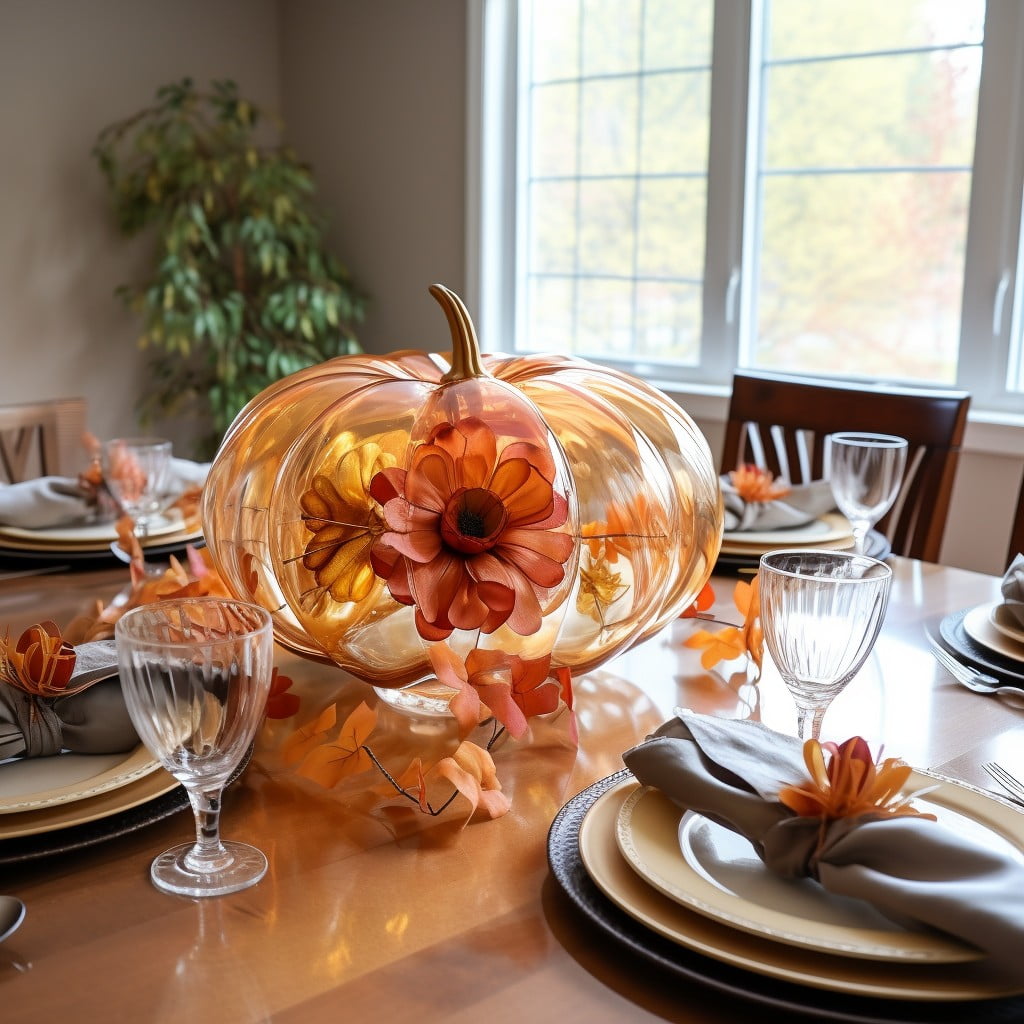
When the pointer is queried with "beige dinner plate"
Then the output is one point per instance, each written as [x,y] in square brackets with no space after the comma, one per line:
[1006,622]
[979,626]
[114,801]
[717,873]
[88,534]
[830,529]
[32,783]
[911,980]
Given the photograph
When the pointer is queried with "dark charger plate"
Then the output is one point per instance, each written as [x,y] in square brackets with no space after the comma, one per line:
[683,964]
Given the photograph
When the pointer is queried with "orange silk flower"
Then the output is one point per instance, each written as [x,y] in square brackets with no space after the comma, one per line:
[734,641]
[40,663]
[755,484]
[849,784]
[471,537]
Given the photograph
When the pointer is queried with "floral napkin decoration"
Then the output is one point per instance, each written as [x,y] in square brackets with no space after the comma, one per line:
[756,485]
[832,813]
[40,662]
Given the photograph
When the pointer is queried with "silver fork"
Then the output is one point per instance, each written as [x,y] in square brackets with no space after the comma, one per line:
[1009,782]
[974,679]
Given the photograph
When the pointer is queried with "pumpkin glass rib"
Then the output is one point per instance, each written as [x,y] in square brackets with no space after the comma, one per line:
[645,513]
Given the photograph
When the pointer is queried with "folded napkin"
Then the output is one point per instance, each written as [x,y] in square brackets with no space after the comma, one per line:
[93,720]
[45,501]
[49,501]
[1013,589]
[801,505]
[910,868]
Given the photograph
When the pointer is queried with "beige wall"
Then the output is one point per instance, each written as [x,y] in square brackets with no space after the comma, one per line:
[67,69]
[373,93]
[375,98]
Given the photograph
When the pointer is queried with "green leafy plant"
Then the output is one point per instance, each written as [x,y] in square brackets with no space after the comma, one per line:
[244,291]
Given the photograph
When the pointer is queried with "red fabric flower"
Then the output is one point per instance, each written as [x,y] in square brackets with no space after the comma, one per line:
[471,538]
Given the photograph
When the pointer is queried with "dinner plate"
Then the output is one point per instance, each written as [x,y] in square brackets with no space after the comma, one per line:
[1006,622]
[31,783]
[697,950]
[955,639]
[830,527]
[716,872]
[113,801]
[978,625]
[736,558]
[86,534]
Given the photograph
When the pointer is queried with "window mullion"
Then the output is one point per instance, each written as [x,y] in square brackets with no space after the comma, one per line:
[725,196]
[994,220]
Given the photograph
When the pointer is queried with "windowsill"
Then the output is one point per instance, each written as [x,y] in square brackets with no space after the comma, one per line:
[990,433]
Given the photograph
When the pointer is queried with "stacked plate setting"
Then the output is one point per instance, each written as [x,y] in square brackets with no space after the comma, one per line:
[743,548]
[687,883]
[45,794]
[70,543]
[988,637]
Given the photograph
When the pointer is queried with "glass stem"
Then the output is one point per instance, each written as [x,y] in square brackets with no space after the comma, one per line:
[208,855]
[813,716]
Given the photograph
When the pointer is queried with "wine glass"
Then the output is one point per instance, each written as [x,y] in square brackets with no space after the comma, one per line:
[866,472]
[195,674]
[136,469]
[821,612]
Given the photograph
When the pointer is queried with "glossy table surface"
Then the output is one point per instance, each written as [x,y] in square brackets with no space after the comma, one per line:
[384,914]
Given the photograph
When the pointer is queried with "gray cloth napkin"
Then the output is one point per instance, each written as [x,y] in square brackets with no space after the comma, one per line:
[44,501]
[909,868]
[803,504]
[1013,589]
[49,501]
[93,720]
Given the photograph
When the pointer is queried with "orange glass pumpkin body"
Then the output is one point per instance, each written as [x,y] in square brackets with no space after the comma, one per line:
[307,508]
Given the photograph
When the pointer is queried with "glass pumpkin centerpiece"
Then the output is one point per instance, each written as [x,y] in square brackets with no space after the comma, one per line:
[380,506]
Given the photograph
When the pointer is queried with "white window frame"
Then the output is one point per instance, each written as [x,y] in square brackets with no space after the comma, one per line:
[991,309]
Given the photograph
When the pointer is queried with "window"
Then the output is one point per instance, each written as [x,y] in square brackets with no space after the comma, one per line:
[684,188]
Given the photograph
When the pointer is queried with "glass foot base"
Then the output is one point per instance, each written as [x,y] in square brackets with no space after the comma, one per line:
[427,697]
[246,867]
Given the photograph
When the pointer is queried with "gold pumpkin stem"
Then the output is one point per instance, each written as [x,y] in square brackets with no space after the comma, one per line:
[466,362]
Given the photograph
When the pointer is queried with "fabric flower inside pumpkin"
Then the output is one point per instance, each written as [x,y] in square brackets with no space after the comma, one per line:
[472,534]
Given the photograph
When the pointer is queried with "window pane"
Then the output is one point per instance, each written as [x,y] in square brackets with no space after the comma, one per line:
[864,180]
[553,130]
[554,51]
[550,320]
[670,228]
[607,224]
[898,110]
[552,239]
[668,322]
[674,128]
[611,36]
[861,275]
[610,127]
[795,26]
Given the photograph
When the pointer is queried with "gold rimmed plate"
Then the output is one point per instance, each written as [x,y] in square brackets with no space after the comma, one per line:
[716,873]
[34,783]
[815,969]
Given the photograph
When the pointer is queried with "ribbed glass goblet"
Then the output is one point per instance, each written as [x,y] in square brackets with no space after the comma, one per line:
[821,612]
[195,674]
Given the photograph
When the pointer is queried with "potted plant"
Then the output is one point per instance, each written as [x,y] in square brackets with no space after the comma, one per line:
[243,290]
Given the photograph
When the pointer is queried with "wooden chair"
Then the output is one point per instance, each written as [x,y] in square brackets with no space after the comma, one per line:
[780,423]
[41,439]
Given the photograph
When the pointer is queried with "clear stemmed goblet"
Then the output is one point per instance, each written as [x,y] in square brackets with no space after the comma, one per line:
[865,473]
[136,470]
[195,674]
[821,612]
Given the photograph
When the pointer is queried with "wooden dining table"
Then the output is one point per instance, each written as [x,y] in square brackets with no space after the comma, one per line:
[372,911]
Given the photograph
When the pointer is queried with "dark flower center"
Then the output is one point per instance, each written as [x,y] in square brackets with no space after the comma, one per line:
[473,520]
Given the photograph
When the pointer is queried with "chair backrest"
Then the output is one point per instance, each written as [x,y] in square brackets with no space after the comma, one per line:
[41,439]
[781,422]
